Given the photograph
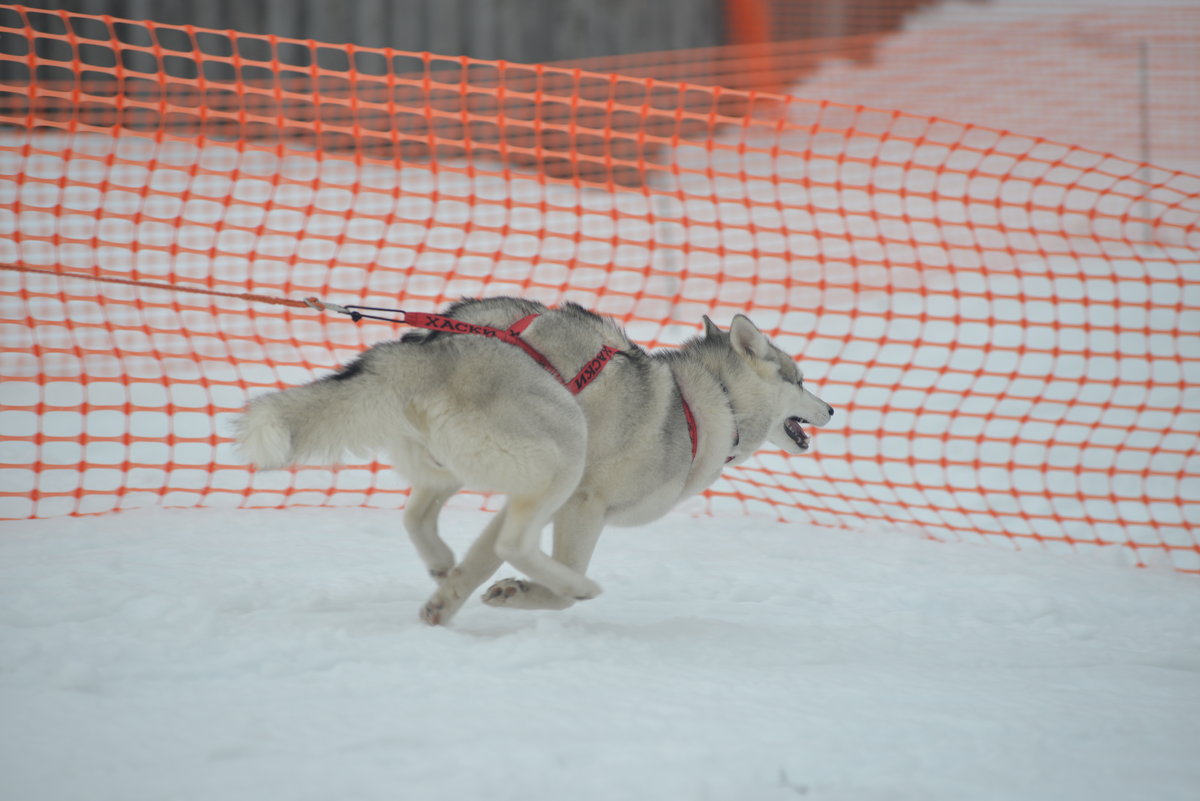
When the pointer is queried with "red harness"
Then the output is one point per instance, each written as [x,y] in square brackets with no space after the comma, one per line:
[512,335]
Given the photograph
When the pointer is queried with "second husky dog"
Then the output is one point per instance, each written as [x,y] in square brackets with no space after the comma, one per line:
[630,436]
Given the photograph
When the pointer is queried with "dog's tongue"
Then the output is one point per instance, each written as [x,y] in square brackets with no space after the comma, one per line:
[796,432]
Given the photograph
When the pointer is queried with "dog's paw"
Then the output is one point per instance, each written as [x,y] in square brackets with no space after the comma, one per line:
[520,594]
[444,604]
[431,612]
[503,591]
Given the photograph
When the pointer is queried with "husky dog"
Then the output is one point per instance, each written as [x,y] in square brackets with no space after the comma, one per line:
[636,433]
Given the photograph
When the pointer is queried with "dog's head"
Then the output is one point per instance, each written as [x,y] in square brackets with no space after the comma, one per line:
[779,400]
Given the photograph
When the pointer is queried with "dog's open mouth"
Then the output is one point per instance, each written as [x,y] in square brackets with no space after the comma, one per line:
[794,428]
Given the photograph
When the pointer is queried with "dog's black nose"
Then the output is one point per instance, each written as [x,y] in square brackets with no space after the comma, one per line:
[830,408]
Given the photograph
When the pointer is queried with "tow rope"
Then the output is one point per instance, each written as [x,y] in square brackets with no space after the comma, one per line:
[434,322]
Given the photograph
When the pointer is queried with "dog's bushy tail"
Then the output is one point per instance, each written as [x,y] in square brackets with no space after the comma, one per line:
[263,436]
[313,424]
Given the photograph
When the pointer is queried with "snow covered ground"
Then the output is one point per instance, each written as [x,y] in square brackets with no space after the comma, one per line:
[207,654]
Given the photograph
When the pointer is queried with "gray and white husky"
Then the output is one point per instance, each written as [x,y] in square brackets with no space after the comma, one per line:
[453,410]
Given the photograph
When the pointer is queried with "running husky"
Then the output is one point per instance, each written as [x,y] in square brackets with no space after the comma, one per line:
[628,437]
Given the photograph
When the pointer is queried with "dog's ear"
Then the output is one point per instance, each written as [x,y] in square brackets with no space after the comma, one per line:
[710,329]
[747,339]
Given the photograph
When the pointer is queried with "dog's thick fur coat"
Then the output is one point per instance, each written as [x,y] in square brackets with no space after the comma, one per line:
[454,410]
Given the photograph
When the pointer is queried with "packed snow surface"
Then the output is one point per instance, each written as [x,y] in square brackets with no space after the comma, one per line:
[254,655]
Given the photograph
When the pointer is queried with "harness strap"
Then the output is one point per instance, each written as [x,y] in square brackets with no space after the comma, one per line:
[591,370]
[440,322]
[691,423]
[511,335]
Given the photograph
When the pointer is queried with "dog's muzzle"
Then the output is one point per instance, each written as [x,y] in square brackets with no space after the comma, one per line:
[794,427]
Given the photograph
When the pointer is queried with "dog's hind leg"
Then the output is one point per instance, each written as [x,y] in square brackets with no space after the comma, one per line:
[531,448]
[551,577]
[577,527]
[477,566]
[421,521]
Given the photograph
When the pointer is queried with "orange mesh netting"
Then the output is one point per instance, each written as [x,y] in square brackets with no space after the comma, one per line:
[1118,80]
[1009,327]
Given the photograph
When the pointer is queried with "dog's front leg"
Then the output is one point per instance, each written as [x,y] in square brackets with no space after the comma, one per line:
[577,527]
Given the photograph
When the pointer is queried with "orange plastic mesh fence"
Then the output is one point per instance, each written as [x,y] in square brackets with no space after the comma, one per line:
[1122,80]
[1007,326]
